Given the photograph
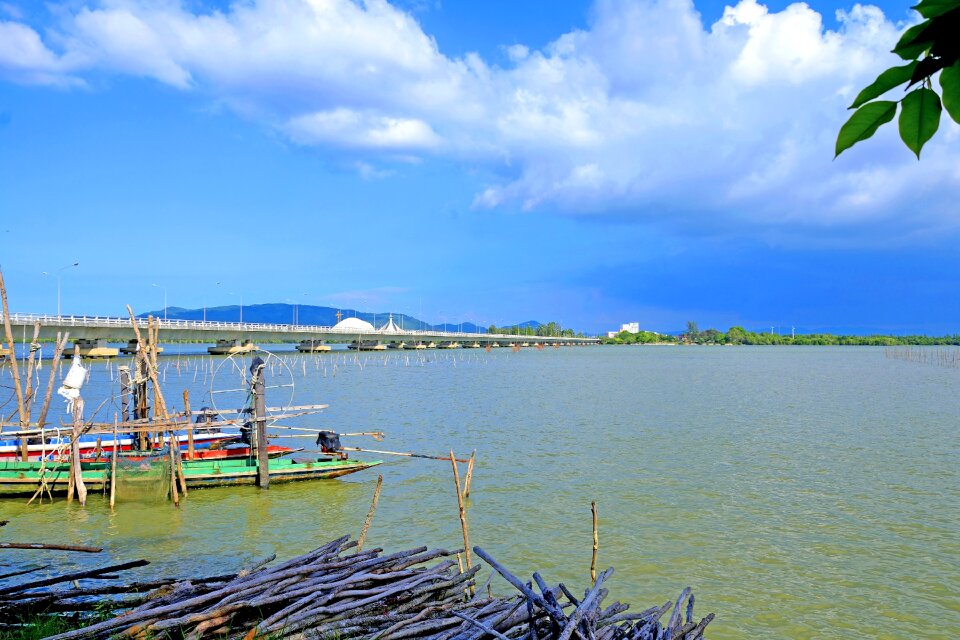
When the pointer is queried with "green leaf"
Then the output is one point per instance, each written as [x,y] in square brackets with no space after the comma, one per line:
[933,8]
[950,83]
[919,118]
[892,77]
[914,41]
[864,123]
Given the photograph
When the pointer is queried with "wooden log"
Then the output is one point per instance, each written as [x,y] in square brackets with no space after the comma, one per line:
[369,519]
[260,416]
[70,577]
[462,510]
[51,546]
[14,365]
[55,363]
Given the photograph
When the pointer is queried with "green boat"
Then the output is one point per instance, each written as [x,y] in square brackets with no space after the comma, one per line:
[23,478]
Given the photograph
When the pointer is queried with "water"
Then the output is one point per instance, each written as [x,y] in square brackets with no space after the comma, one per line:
[802,492]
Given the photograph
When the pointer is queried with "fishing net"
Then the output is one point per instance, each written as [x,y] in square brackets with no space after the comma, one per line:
[144,476]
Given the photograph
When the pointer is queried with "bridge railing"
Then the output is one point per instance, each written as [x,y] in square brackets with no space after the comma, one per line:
[215,325]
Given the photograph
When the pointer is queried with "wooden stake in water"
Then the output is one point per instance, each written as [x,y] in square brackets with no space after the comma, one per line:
[75,470]
[191,452]
[113,466]
[14,366]
[260,416]
[466,481]
[373,507]
[463,511]
[596,543]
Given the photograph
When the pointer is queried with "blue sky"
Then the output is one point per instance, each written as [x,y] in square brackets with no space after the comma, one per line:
[587,162]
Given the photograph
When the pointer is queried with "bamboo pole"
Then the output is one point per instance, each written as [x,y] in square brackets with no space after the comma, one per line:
[373,507]
[14,365]
[48,396]
[463,511]
[75,469]
[158,394]
[596,543]
[174,494]
[28,392]
[466,481]
[113,466]
[191,452]
[402,453]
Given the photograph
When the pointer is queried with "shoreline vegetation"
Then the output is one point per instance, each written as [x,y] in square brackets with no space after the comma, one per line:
[740,336]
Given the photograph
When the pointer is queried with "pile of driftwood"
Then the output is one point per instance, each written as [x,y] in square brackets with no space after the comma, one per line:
[331,593]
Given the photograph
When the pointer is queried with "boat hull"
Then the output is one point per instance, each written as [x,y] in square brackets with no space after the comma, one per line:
[23,478]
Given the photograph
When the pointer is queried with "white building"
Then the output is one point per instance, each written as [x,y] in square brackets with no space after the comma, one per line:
[632,327]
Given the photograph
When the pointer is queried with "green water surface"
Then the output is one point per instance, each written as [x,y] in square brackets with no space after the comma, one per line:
[802,492]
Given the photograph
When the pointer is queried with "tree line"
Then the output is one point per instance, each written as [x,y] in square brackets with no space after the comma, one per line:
[739,335]
[543,330]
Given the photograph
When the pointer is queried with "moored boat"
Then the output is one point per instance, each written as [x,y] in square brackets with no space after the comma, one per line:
[231,347]
[24,478]
[57,444]
[95,348]
[312,346]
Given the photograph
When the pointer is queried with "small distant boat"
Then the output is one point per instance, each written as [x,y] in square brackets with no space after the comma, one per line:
[312,346]
[414,345]
[23,478]
[95,348]
[367,345]
[231,347]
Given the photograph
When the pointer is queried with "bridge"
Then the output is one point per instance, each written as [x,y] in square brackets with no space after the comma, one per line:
[120,330]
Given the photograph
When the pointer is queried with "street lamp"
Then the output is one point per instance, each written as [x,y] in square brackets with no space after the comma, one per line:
[59,275]
[231,293]
[164,300]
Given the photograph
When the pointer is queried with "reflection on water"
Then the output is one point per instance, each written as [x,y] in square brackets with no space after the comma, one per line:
[802,492]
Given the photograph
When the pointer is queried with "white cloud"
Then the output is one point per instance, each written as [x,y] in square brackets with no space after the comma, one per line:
[646,113]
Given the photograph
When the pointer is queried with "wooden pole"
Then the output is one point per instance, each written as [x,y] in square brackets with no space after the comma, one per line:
[28,392]
[191,452]
[463,511]
[48,396]
[113,465]
[124,372]
[466,481]
[260,415]
[174,494]
[55,547]
[596,543]
[373,507]
[75,470]
[14,365]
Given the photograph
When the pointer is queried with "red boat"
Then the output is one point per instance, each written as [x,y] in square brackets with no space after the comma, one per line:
[227,453]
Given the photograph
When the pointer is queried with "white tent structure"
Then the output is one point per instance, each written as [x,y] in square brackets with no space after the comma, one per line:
[390,327]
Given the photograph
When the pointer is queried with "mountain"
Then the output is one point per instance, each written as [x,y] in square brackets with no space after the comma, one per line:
[283,313]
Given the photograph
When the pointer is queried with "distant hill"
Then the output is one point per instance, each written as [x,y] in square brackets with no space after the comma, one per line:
[283,313]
